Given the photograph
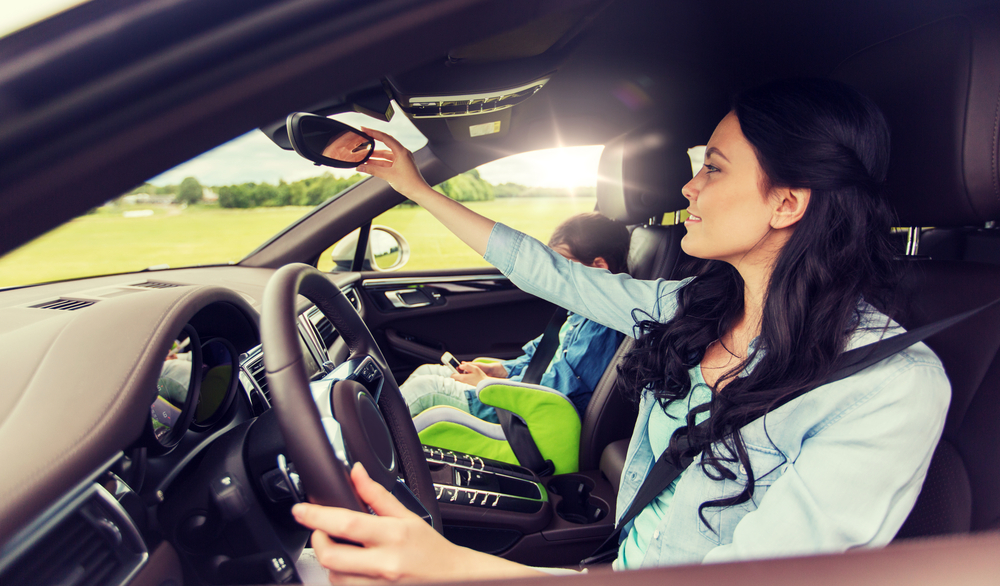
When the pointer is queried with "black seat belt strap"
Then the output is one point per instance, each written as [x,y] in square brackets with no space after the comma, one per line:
[522,444]
[546,349]
[853,361]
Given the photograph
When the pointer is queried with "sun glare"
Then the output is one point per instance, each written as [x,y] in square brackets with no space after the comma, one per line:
[565,168]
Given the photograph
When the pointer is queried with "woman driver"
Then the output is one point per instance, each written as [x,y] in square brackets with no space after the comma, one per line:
[789,218]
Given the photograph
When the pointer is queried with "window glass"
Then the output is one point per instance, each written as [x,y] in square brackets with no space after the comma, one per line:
[532,192]
[18,15]
[213,209]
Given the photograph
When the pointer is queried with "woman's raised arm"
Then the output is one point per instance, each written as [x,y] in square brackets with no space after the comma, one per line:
[396,167]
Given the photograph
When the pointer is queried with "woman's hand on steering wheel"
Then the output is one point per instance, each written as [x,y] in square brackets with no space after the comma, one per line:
[395,545]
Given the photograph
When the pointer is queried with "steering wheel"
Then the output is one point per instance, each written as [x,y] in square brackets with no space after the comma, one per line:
[381,437]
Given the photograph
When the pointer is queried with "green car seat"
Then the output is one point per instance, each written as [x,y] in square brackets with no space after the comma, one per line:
[541,427]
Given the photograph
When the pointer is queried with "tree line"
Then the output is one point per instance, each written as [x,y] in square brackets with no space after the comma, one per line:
[465,187]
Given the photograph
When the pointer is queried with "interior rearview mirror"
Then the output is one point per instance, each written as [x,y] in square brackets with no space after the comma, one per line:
[327,142]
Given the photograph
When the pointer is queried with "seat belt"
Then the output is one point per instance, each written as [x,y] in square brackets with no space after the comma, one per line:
[514,428]
[664,472]
[522,444]
[546,348]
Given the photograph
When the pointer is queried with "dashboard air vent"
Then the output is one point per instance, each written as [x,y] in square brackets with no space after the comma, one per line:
[256,369]
[157,285]
[65,304]
[92,546]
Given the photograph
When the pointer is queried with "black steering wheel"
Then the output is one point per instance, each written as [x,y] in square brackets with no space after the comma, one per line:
[381,437]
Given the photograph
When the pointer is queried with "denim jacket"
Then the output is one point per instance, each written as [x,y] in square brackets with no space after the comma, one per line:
[835,469]
[584,352]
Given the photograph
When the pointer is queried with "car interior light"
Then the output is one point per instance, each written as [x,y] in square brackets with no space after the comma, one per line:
[471,104]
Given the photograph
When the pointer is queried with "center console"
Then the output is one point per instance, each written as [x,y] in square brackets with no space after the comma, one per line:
[508,510]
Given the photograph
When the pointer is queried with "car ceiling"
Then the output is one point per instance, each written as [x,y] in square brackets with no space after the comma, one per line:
[115,96]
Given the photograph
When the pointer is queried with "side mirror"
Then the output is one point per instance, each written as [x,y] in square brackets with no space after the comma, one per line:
[387,251]
[327,142]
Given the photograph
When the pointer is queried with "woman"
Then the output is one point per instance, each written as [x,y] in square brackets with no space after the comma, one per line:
[787,213]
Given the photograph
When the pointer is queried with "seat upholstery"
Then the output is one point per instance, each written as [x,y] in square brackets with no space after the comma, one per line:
[551,419]
[640,177]
[939,87]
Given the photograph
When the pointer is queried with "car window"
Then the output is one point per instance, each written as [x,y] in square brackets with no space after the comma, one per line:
[18,15]
[214,209]
[533,192]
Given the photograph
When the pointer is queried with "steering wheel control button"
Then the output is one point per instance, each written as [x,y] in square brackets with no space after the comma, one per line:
[229,497]
[290,482]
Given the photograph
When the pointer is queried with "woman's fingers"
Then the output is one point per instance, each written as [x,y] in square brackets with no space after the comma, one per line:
[384,138]
[337,522]
[350,563]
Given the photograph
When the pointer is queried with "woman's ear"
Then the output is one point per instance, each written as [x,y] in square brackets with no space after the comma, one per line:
[600,263]
[790,207]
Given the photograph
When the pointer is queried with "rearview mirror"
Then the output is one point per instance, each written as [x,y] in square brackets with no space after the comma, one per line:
[327,142]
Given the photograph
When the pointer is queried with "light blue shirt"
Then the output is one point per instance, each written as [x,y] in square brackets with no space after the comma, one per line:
[835,469]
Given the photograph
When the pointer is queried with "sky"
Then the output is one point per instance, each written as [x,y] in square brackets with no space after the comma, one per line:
[254,158]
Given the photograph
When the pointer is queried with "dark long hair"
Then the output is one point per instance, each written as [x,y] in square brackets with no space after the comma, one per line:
[815,134]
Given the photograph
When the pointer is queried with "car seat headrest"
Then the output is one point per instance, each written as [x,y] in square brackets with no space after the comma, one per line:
[640,175]
[939,87]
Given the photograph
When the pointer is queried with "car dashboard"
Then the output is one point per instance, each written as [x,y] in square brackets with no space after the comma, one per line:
[86,359]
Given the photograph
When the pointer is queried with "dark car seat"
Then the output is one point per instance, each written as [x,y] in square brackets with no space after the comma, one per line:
[939,87]
[640,176]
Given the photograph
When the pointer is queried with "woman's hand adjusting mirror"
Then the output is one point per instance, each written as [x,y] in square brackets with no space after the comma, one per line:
[328,142]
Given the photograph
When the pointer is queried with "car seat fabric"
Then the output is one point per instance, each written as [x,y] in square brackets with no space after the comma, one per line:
[939,87]
[549,415]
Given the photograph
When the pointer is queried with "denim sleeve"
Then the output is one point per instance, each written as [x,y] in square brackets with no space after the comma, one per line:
[515,367]
[597,294]
[855,479]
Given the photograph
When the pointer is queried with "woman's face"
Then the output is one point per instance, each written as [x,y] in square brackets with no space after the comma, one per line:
[730,214]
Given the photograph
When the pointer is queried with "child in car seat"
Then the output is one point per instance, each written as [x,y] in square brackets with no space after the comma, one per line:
[585,347]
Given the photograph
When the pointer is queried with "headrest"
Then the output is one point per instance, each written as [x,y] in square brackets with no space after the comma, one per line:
[939,87]
[640,175]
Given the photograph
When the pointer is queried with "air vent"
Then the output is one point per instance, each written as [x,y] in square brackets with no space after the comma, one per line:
[157,285]
[92,546]
[324,329]
[65,304]
[256,369]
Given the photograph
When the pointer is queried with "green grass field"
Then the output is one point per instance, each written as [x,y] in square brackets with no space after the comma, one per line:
[106,242]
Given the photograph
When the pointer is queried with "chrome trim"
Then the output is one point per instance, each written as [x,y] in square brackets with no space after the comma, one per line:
[419,101]
[424,280]
[913,241]
[396,298]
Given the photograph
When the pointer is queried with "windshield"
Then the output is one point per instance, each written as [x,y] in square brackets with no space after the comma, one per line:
[213,209]
[18,15]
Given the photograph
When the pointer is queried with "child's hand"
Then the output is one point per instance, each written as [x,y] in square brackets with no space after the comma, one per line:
[469,373]
[493,369]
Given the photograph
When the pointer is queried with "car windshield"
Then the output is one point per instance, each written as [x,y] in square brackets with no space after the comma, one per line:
[18,15]
[214,209]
